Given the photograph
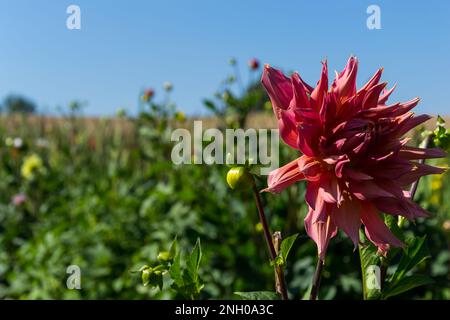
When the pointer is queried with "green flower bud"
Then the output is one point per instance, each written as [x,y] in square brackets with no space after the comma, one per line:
[164,256]
[239,178]
[146,273]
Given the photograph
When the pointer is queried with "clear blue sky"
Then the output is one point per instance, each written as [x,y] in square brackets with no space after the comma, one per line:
[125,46]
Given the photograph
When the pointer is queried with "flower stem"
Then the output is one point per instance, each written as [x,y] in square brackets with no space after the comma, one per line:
[363,273]
[273,254]
[414,186]
[316,280]
[280,281]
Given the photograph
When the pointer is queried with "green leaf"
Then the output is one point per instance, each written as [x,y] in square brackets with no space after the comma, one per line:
[406,284]
[193,262]
[414,254]
[173,250]
[258,295]
[286,246]
[209,104]
[175,271]
[368,256]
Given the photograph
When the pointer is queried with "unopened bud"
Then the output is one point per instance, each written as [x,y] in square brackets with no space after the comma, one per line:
[239,178]
[164,256]
[253,64]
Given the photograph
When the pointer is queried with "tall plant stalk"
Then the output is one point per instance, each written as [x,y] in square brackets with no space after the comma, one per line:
[316,280]
[280,282]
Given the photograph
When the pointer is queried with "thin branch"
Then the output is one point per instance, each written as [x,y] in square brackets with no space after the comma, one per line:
[421,161]
[280,281]
[267,235]
[316,280]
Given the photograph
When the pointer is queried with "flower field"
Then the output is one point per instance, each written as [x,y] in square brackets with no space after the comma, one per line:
[104,195]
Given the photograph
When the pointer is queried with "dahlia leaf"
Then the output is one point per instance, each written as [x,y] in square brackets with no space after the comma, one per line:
[368,256]
[193,262]
[286,246]
[406,284]
[414,254]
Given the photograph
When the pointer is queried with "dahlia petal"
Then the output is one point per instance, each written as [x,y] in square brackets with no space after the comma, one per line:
[415,210]
[288,130]
[310,167]
[321,89]
[300,98]
[345,84]
[283,177]
[328,109]
[340,166]
[376,230]
[312,191]
[329,187]
[373,81]
[368,190]
[412,153]
[402,108]
[393,206]
[372,96]
[355,174]
[306,136]
[320,232]
[417,170]
[347,217]
[392,187]
[279,88]
[401,207]
[391,169]
[411,123]
[385,95]
[320,211]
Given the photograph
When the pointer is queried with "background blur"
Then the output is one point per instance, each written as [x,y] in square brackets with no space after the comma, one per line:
[85,170]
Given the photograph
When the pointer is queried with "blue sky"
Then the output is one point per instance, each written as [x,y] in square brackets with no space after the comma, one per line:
[125,46]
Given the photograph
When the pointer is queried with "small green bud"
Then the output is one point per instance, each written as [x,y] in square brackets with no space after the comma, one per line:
[146,276]
[164,256]
[239,178]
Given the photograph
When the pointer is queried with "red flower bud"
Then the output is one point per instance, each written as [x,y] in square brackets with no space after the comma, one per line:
[253,64]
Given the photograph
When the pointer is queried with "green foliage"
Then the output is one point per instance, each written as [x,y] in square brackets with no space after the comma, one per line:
[400,281]
[185,279]
[440,135]
[258,295]
[285,248]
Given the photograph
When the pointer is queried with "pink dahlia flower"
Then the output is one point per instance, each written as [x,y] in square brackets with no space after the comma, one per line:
[19,199]
[355,159]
